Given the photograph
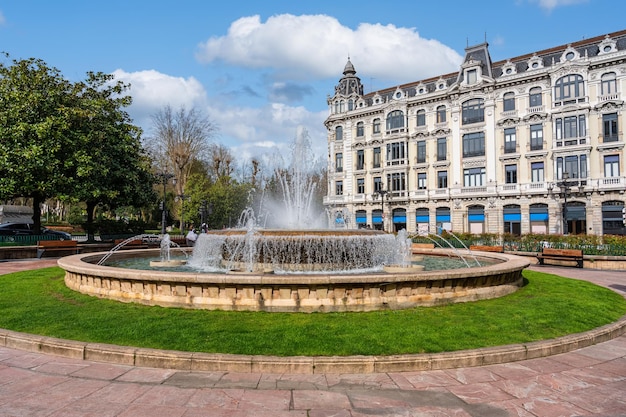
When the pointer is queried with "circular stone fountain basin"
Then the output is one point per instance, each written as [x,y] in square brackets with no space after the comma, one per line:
[305,292]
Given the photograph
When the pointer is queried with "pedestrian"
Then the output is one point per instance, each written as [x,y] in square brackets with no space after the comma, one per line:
[191,237]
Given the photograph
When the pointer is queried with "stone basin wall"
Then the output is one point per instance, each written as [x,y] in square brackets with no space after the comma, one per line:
[293,293]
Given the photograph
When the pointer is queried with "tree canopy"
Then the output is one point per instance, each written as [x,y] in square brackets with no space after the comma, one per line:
[68,140]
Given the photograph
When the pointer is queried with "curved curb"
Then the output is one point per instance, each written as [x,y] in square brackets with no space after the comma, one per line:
[191,361]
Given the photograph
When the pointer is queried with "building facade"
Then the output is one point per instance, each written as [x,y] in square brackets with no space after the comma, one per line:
[533,144]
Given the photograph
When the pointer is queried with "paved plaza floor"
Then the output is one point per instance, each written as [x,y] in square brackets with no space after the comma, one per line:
[587,382]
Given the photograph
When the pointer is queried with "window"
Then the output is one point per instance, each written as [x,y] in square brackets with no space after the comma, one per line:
[509,101]
[574,165]
[473,144]
[570,130]
[510,141]
[612,221]
[534,98]
[442,149]
[472,76]
[609,127]
[536,172]
[397,181]
[536,137]
[608,84]
[350,105]
[339,188]
[611,166]
[395,153]
[376,126]
[421,151]
[476,219]
[360,185]
[360,159]
[378,184]
[376,159]
[441,114]
[338,133]
[421,181]
[473,111]
[421,117]
[338,162]
[474,177]
[539,217]
[395,120]
[569,89]
[360,129]
[512,217]
[442,179]
[510,174]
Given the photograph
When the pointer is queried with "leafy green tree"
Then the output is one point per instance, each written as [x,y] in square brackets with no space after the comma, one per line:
[69,141]
[109,165]
[35,126]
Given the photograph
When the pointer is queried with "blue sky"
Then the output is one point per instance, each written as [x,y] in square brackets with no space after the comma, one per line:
[261,69]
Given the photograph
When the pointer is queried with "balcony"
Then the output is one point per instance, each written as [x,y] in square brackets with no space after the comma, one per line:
[608,97]
[536,109]
[612,184]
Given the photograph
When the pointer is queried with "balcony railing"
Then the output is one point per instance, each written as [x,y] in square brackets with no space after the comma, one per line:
[608,97]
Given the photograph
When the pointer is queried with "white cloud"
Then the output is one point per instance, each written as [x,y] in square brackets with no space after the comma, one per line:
[301,47]
[549,5]
[152,90]
[2,19]
[248,131]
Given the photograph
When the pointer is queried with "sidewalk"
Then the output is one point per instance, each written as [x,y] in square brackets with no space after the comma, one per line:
[587,382]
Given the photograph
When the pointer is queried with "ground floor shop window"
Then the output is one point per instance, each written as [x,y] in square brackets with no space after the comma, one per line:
[512,217]
[612,218]
[476,219]
[539,218]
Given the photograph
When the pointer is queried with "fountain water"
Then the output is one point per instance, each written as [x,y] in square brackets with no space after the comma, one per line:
[296,265]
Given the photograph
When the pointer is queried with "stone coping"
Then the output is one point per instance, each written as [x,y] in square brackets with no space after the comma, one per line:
[215,362]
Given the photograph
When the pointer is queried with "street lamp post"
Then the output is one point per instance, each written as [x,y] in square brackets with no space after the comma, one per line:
[565,185]
[165,177]
[382,193]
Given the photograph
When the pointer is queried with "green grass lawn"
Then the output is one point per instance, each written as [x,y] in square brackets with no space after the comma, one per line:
[547,306]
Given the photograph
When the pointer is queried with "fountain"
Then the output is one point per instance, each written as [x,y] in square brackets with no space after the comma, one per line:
[295,269]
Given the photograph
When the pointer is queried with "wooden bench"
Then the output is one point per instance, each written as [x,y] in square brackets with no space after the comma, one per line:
[56,247]
[486,248]
[569,255]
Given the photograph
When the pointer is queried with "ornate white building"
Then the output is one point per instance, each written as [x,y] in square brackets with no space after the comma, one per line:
[533,144]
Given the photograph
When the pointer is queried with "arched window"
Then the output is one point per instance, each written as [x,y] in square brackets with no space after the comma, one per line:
[476,219]
[569,89]
[339,133]
[512,219]
[441,114]
[473,111]
[376,126]
[443,219]
[509,101]
[538,216]
[360,129]
[422,220]
[608,84]
[421,117]
[534,97]
[395,120]
[350,105]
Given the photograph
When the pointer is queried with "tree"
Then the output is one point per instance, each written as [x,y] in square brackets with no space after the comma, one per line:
[35,126]
[68,141]
[109,165]
[179,138]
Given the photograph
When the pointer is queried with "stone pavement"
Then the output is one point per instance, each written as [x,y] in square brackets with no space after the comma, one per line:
[587,382]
